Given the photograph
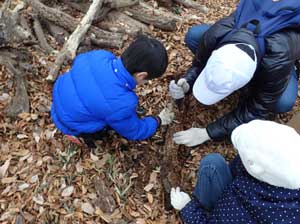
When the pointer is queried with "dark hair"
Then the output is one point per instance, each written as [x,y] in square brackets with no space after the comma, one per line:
[145,54]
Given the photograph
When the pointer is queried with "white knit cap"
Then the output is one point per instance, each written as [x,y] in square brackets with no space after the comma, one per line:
[270,152]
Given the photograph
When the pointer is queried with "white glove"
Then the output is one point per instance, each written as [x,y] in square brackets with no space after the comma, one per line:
[191,137]
[179,199]
[166,115]
[177,91]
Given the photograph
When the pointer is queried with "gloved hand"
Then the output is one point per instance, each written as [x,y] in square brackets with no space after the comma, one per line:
[179,199]
[177,91]
[166,115]
[191,137]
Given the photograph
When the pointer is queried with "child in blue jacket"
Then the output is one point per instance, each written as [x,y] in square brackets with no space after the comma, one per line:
[97,93]
[262,184]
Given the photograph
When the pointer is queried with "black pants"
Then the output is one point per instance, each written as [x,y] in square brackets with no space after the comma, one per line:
[90,138]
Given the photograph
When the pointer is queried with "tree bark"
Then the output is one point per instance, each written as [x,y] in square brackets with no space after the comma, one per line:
[115,4]
[70,23]
[20,102]
[59,33]
[165,3]
[192,4]
[119,22]
[11,31]
[41,36]
[70,47]
[24,23]
[151,16]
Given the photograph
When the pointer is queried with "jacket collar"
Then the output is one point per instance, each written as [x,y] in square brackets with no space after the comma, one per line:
[241,36]
[121,72]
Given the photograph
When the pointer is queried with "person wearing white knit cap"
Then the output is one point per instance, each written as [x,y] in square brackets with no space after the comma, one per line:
[261,185]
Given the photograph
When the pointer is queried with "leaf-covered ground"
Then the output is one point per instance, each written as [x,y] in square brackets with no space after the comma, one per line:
[46,179]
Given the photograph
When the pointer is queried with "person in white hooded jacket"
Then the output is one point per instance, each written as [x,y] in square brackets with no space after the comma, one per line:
[261,185]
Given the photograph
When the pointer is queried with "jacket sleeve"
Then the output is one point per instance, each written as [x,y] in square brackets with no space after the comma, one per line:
[127,123]
[208,43]
[193,213]
[267,86]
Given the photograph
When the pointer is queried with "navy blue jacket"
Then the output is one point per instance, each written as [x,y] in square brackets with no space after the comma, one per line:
[247,200]
[98,92]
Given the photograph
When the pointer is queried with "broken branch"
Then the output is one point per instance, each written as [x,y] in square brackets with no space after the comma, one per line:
[151,16]
[70,47]
[41,36]
[70,23]
[193,4]
[20,102]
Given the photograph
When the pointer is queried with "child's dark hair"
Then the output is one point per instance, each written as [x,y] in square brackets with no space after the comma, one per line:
[145,54]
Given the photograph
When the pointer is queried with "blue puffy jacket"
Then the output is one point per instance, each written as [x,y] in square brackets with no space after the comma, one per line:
[96,93]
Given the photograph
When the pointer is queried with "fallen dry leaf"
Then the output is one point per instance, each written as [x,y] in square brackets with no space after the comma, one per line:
[79,168]
[134,214]
[21,153]
[23,186]
[100,164]
[140,221]
[34,179]
[104,217]
[38,199]
[150,198]
[5,216]
[4,168]
[22,136]
[149,187]
[68,191]
[87,208]
[8,180]
[94,157]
